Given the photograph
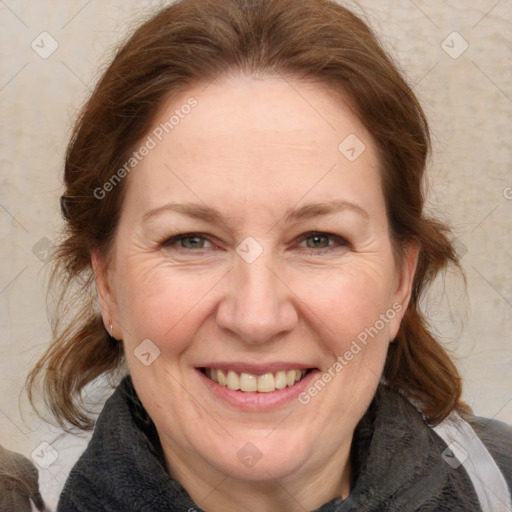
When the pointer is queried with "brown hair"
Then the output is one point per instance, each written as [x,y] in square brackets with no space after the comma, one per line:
[197,40]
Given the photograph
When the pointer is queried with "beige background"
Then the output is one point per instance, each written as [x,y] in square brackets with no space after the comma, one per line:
[468,100]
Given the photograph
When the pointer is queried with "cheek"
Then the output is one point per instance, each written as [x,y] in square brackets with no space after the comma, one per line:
[348,300]
[161,303]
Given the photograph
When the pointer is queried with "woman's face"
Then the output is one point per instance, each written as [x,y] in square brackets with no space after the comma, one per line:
[253,248]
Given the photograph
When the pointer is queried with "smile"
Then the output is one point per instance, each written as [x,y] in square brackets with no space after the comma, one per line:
[251,383]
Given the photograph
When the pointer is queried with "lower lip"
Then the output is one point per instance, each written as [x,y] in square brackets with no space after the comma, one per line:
[255,400]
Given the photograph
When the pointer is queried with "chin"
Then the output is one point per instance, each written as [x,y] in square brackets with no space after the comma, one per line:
[260,459]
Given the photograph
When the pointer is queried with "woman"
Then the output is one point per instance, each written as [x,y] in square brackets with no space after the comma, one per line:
[244,189]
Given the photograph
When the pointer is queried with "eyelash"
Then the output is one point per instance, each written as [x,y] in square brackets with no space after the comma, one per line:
[339,241]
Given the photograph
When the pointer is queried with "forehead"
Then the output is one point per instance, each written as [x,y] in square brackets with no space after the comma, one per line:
[264,138]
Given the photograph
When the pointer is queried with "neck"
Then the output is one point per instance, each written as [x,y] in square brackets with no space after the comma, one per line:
[308,488]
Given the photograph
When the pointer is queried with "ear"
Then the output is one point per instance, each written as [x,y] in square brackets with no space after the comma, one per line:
[106,298]
[405,271]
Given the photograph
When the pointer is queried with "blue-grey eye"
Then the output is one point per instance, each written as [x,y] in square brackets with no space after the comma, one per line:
[317,241]
[192,242]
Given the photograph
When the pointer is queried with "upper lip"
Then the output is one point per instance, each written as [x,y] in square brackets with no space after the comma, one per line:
[256,369]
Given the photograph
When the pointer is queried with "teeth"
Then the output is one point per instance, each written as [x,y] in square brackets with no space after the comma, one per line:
[280,380]
[266,383]
[249,383]
[233,380]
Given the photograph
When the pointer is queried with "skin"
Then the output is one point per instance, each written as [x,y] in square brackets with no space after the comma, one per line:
[253,148]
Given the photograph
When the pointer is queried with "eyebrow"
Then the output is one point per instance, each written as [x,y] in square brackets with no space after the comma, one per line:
[327,208]
[307,211]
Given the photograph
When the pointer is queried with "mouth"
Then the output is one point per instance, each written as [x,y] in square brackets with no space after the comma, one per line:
[252,383]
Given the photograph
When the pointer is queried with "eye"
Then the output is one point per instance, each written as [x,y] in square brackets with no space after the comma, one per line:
[191,241]
[321,242]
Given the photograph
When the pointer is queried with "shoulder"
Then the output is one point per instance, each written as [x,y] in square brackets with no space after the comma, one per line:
[123,464]
[495,431]
[497,438]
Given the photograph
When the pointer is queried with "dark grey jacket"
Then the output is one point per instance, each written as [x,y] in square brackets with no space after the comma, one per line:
[397,459]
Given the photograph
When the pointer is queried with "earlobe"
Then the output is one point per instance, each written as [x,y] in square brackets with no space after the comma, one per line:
[404,285]
[103,289]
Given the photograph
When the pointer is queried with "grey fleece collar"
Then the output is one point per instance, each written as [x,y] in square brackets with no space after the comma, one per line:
[397,460]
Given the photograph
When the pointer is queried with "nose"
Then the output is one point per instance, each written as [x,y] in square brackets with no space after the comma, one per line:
[258,306]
